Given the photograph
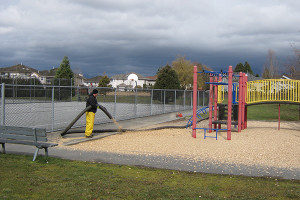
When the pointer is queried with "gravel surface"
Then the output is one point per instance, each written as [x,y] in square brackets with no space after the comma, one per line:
[261,144]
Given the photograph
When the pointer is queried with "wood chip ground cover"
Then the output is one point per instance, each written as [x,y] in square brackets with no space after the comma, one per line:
[260,144]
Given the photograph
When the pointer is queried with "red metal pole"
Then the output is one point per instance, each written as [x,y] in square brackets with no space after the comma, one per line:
[245,101]
[240,102]
[220,80]
[229,103]
[279,117]
[210,103]
[194,102]
[216,102]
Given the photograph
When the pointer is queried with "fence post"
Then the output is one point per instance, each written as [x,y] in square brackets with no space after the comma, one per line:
[135,103]
[192,99]
[59,89]
[78,95]
[203,96]
[52,123]
[175,100]
[71,89]
[115,105]
[164,100]
[151,112]
[3,104]
[13,93]
[30,84]
[184,100]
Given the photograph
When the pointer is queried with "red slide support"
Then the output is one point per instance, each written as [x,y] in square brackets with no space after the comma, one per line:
[216,102]
[240,102]
[229,102]
[245,100]
[194,102]
[210,103]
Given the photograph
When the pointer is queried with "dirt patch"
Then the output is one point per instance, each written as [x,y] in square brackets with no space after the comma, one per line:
[260,144]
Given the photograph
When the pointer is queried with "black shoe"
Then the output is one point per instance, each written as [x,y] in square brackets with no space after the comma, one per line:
[90,136]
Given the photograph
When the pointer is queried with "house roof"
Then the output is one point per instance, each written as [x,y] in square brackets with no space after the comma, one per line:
[51,72]
[152,77]
[80,76]
[94,79]
[19,68]
[250,77]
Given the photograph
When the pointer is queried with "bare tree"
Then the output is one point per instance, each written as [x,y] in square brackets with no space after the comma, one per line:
[271,67]
[293,67]
[184,69]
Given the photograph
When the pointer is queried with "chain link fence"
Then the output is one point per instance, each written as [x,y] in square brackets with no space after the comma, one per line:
[54,107]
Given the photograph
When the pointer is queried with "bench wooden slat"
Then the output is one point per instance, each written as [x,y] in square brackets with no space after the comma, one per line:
[22,130]
[22,137]
[38,144]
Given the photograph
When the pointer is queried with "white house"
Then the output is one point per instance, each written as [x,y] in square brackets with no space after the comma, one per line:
[121,81]
[93,82]
[17,71]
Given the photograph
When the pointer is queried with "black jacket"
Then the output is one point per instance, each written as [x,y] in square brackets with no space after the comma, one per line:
[92,101]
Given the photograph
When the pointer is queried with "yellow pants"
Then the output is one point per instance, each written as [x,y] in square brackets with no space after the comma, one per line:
[90,118]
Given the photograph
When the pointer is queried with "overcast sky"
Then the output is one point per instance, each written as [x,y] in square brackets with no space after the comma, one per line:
[122,36]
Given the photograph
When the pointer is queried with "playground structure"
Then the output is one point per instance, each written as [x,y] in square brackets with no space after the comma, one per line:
[240,96]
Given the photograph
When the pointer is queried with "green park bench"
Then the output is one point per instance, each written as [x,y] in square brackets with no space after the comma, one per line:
[25,136]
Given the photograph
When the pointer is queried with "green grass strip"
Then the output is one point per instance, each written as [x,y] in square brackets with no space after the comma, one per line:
[64,179]
[270,112]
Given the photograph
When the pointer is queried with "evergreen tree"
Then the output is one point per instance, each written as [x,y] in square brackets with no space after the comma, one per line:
[239,68]
[64,70]
[247,68]
[104,82]
[167,78]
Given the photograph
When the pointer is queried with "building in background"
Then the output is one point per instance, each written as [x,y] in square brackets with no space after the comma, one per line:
[121,81]
[46,77]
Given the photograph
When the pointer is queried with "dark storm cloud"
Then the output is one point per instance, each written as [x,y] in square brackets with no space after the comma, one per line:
[133,35]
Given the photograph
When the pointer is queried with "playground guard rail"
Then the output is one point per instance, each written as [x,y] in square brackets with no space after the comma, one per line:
[279,90]
[266,90]
[222,93]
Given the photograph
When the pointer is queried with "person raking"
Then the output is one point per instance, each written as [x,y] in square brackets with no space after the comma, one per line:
[90,114]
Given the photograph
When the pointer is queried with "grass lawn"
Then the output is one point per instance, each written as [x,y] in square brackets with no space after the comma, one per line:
[63,179]
[270,112]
